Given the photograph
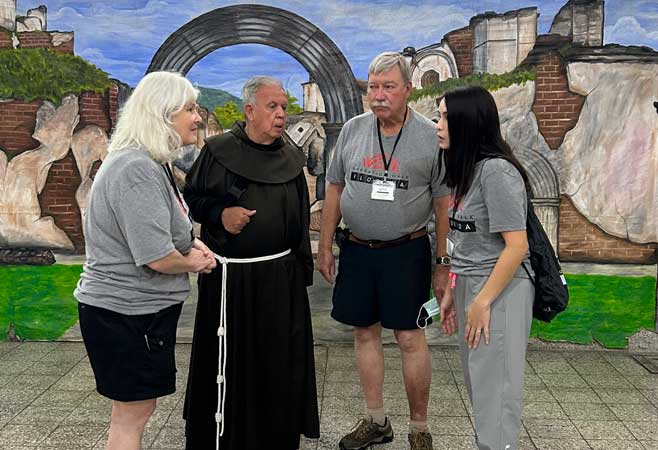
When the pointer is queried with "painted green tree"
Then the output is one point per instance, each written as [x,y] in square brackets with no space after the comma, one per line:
[228,114]
[293,105]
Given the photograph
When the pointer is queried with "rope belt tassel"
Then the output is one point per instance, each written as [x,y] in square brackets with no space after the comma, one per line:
[222,334]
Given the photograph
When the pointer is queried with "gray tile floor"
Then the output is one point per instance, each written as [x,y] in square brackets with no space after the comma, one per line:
[573,400]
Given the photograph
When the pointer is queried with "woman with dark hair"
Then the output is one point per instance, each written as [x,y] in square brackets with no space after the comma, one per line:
[491,294]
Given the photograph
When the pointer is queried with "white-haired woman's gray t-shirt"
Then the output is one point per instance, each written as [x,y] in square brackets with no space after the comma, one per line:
[133,218]
[495,202]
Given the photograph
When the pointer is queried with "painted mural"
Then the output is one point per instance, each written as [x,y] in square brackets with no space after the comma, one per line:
[576,84]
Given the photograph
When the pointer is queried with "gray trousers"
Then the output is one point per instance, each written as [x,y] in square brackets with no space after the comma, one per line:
[494,373]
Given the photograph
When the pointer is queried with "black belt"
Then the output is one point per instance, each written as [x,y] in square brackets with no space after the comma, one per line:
[383,244]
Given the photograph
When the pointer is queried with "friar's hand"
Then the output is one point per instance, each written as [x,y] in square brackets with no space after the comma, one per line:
[236,218]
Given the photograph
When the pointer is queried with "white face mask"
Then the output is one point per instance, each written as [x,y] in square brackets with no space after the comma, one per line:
[432,309]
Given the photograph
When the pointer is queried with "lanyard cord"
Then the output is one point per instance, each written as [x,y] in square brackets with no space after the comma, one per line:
[397,139]
[172,181]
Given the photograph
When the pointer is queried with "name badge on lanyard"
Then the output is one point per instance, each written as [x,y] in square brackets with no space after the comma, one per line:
[383,190]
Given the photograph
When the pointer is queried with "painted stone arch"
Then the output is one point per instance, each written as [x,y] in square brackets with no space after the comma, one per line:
[273,27]
[545,188]
[436,58]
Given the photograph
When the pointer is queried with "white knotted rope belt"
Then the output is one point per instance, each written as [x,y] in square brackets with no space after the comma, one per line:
[222,334]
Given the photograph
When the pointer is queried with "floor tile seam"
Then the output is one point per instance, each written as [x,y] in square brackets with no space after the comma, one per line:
[13,417]
[462,400]
[527,432]
[582,374]
[91,446]
[324,383]
[635,438]
[644,394]
[621,419]
[38,443]
[160,429]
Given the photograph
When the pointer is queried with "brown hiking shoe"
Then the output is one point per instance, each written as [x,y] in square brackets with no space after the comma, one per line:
[365,433]
[420,440]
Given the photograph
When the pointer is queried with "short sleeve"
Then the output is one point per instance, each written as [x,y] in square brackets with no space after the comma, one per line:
[144,217]
[336,172]
[439,188]
[504,194]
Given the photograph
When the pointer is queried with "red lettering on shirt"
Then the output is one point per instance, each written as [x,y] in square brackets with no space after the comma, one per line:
[377,163]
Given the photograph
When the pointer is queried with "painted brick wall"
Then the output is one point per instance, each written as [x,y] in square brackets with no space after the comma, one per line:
[461,43]
[42,39]
[582,241]
[94,110]
[35,39]
[65,47]
[58,199]
[556,108]
[5,39]
[17,121]
[113,103]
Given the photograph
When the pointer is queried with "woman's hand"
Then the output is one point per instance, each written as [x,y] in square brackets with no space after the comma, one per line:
[199,245]
[448,313]
[478,315]
[203,248]
[198,262]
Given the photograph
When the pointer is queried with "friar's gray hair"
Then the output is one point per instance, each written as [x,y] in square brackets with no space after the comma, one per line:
[253,84]
[386,61]
[146,118]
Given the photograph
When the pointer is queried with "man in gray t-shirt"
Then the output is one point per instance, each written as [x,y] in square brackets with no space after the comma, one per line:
[384,182]
[414,168]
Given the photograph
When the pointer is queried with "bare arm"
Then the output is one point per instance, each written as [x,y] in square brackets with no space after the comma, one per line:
[478,313]
[199,259]
[440,280]
[331,216]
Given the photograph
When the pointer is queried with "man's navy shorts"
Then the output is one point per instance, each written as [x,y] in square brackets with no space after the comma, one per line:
[387,285]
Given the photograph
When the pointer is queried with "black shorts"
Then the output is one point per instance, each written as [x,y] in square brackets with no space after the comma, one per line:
[132,356]
[387,285]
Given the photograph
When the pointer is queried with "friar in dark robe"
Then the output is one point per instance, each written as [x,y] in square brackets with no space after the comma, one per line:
[251,383]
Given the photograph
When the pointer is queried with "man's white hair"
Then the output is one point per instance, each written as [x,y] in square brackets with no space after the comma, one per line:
[386,61]
[253,84]
[146,118]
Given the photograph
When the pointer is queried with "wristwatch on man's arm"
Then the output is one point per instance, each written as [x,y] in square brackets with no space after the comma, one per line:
[443,261]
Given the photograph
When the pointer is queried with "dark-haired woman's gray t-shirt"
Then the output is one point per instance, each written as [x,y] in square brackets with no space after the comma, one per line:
[495,202]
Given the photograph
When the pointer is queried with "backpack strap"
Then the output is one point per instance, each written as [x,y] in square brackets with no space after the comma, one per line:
[528,207]
[528,272]
[235,191]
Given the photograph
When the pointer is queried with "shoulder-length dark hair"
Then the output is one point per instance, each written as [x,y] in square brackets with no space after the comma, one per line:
[474,129]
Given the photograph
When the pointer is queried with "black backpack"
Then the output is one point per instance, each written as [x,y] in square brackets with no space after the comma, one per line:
[551,292]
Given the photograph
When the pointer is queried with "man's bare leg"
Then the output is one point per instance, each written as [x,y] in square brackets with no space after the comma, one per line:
[416,371]
[370,363]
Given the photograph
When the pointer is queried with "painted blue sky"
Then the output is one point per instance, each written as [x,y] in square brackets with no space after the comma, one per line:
[121,36]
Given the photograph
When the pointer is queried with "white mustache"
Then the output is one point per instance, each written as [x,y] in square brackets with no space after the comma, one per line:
[380,105]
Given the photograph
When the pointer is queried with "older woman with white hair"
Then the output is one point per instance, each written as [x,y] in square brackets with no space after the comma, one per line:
[139,249]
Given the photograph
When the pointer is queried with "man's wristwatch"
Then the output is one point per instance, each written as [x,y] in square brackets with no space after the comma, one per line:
[443,260]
